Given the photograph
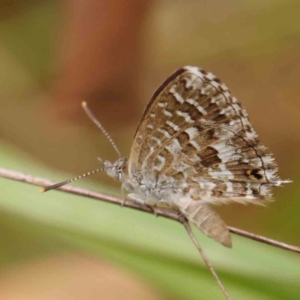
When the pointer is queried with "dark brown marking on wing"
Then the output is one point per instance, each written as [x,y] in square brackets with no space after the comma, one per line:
[193,112]
[189,149]
[183,138]
[169,129]
[209,157]
[255,174]
[178,176]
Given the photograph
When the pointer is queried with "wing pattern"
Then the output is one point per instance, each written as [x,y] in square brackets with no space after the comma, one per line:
[195,144]
[196,132]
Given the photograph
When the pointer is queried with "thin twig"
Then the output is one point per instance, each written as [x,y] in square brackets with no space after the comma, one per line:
[263,239]
[166,213]
[189,231]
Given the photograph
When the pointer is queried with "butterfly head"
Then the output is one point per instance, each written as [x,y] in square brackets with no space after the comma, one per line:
[116,170]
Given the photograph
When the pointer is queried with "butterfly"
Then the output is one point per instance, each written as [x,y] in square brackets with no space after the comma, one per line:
[194,147]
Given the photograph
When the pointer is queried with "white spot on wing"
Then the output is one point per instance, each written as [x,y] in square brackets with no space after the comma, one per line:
[192,102]
[185,115]
[165,132]
[268,159]
[223,174]
[229,187]
[162,161]
[195,144]
[153,138]
[192,132]
[210,76]
[195,70]
[176,94]
[174,126]
[167,113]
[202,110]
[220,146]
[174,147]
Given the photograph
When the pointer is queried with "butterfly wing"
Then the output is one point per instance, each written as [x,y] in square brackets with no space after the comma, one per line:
[194,126]
[195,135]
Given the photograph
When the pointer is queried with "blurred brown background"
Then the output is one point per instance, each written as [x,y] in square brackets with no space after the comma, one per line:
[114,54]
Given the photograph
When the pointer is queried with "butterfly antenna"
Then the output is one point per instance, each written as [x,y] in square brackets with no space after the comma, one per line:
[60,184]
[99,125]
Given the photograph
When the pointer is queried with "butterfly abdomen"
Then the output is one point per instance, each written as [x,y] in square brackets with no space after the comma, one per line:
[207,220]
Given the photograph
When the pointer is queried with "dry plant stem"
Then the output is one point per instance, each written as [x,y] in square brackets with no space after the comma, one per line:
[189,231]
[167,213]
[263,239]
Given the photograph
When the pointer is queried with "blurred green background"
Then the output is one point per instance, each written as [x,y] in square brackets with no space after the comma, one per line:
[53,55]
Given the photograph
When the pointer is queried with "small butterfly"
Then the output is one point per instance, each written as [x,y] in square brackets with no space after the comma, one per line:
[194,147]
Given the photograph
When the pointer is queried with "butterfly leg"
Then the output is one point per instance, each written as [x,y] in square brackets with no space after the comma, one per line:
[140,200]
[126,187]
[154,211]
[182,218]
[123,188]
